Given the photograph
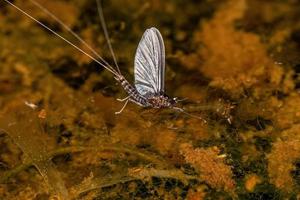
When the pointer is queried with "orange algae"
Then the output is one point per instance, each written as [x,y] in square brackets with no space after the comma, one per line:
[135,129]
[288,111]
[198,194]
[198,131]
[251,181]
[210,165]
[233,59]
[281,160]
[165,141]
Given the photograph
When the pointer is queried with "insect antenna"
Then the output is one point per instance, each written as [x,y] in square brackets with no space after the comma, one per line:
[104,27]
[106,66]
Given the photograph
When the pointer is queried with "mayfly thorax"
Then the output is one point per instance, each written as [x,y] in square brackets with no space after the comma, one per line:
[149,64]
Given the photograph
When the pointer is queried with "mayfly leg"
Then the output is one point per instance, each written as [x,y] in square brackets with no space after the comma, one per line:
[125,104]
[126,98]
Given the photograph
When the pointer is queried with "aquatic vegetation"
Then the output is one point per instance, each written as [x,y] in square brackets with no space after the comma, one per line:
[288,112]
[282,159]
[34,144]
[244,64]
[211,167]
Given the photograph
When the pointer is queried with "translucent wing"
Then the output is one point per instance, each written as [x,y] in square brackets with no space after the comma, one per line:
[149,63]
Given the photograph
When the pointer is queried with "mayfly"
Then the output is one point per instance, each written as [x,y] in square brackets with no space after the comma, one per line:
[149,64]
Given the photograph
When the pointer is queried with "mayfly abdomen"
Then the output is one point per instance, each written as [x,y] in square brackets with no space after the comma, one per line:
[132,92]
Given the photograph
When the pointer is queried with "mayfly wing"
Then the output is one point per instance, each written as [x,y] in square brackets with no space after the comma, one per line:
[149,63]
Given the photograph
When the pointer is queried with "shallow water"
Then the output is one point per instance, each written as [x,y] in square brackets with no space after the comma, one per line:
[236,62]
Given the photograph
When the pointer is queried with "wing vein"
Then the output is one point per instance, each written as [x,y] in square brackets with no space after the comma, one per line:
[149,64]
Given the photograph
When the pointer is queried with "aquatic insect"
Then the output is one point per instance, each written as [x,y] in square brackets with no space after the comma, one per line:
[149,64]
[149,72]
